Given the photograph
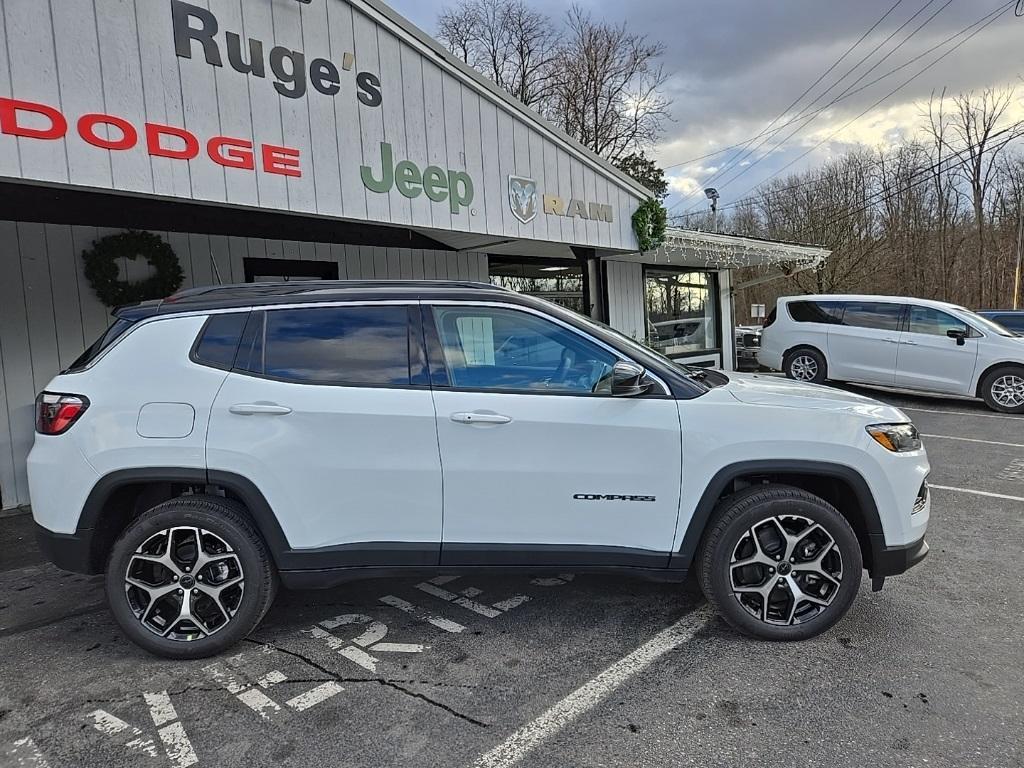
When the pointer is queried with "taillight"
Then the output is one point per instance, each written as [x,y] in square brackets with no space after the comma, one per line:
[56,413]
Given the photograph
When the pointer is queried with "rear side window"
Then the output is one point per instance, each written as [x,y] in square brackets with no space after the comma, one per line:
[218,342]
[816,311]
[108,337]
[338,345]
[879,315]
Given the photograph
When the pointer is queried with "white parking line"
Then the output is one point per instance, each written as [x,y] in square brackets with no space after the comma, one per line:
[973,440]
[957,413]
[590,694]
[977,493]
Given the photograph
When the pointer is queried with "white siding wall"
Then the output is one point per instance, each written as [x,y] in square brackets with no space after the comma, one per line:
[626,298]
[117,57]
[49,313]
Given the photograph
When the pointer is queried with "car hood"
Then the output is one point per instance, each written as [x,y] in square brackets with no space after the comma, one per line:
[758,389]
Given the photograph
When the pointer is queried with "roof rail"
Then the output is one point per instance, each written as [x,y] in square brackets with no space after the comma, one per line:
[210,292]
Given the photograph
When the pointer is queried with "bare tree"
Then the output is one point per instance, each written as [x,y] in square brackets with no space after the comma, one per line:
[513,45]
[597,81]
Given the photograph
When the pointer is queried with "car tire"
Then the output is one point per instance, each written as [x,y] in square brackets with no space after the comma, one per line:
[1003,389]
[793,528]
[152,567]
[806,364]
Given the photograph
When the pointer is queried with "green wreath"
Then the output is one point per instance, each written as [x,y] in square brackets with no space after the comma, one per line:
[101,268]
[649,221]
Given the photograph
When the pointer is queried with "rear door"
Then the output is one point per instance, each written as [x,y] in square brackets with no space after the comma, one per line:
[862,345]
[929,359]
[328,412]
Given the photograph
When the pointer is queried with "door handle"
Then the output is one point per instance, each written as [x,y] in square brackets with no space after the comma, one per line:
[891,341]
[480,418]
[910,343]
[253,409]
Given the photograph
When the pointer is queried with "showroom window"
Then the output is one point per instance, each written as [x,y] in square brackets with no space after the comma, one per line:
[682,311]
[557,280]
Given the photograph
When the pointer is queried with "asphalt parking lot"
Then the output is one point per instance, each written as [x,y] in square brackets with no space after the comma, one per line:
[574,671]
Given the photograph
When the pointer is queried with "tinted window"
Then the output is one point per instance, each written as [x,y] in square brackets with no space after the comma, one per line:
[490,348]
[816,311]
[219,339]
[871,314]
[1013,322]
[107,338]
[934,322]
[338,345]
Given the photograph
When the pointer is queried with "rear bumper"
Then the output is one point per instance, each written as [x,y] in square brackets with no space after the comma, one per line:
[892,561]
[68,551]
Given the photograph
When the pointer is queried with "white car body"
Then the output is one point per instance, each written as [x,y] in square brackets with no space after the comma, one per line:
[900,356]
[340,476]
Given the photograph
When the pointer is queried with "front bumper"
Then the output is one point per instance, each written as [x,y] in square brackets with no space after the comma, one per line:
[892,561]
[69,551]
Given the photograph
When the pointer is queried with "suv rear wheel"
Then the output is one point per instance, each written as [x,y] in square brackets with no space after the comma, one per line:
[805,364]
[190,578]
[779,563]
[1003,390]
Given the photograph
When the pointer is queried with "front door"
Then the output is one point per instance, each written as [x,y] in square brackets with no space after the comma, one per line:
[541,464]
[862,344]
[325,412]
[929,359]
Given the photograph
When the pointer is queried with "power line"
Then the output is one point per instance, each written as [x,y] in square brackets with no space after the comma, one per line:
[995,12]
[795,101]
[888,95]
[728,166]
[811,118]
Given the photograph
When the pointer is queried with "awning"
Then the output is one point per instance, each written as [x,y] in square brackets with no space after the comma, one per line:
[711,250]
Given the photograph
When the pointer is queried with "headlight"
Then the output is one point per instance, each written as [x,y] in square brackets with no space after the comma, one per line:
[898,438]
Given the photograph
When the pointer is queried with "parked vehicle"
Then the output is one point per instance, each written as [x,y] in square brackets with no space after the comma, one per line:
[748,344]
[217,443]
[928,346]
[1011,319]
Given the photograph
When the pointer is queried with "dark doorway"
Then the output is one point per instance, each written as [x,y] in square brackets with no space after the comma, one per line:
[283,270]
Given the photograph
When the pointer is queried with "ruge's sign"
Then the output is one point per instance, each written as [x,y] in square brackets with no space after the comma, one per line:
[193,24]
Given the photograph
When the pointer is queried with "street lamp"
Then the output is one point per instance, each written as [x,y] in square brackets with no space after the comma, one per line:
[712,194]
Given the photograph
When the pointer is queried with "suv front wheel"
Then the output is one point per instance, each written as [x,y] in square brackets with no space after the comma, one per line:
[779,563]
[190,578]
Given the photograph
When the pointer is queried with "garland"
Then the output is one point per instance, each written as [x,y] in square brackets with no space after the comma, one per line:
[649,221]
[101,268]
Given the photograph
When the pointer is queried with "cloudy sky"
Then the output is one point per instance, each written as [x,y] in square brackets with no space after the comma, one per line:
[735,65]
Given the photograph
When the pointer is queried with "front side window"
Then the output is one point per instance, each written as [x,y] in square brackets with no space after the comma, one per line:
[934,322]
[356,345]
[879,315]
[682,312]
[494,348]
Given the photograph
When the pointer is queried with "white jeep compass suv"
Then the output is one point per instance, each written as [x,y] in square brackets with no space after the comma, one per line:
[917,344]
[214,444]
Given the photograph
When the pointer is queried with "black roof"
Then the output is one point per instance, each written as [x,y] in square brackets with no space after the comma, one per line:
[300,291]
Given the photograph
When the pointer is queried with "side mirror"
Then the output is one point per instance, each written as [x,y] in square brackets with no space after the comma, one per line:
[627,380]
[960,336]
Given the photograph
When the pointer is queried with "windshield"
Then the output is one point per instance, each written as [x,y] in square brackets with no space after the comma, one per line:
[984,322]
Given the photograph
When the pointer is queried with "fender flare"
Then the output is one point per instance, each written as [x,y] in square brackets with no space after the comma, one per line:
[262,515]
[721,480]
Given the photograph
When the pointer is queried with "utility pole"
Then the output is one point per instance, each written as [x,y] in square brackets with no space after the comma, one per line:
[1020,250]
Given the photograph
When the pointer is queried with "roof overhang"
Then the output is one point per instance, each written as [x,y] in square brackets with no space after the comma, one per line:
[711,250]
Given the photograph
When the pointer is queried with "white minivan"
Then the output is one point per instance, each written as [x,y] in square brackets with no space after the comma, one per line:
[918,344]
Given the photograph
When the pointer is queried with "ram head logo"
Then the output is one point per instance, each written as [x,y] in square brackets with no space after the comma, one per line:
[522,198]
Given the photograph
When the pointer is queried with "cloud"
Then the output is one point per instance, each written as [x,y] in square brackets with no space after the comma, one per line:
[735,65]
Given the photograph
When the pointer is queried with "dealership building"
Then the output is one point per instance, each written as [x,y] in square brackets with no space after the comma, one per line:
[305,139]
